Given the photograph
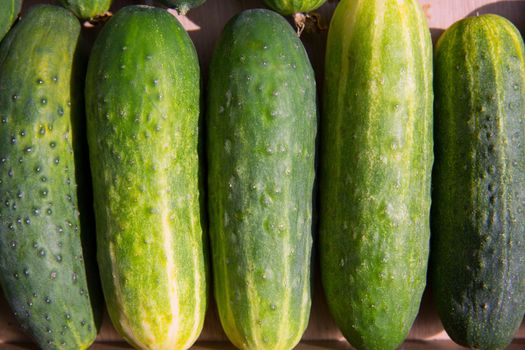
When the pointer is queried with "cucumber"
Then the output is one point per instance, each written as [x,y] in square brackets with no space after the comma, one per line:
[183,6]
[42,269]
[142,101]
[288,7]
[478,246]
[8,15]
[87,9]
[261,148]
[375,166]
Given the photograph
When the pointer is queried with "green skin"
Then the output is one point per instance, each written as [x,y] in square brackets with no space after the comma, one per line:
[142,101]
[288,7]
[42,270]
[478,260]
[261,148]
[182,6]
[376,158]
[8,15]
[87,9]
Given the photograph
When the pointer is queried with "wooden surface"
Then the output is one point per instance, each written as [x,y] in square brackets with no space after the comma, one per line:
[204,25]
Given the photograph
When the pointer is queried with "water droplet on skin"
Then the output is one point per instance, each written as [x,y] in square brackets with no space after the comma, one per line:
[28,221]
[43,101]
[3,160]
[16,275]
[22,133]
[19,220]
[13,140]
[75,276]
[56,161]
[43,179]
[273,306]
[68,317]
[10,173]
[55,78]
[36,211]
[60,111]
[264,63]
[155,82]
[59,258]
[52,144]
[46,317]
[26,272]
[42,252]
[13,244]
[40,81]
[28,149]
[15,97]
[60,229]
[11,226]
[48,301]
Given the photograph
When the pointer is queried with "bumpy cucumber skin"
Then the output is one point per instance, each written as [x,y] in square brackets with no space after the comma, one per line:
[87,9]
[142,100]
[288,7]
[9,10]
[261,147]
[478,261]
[183,6]
[375,162]
[41,262]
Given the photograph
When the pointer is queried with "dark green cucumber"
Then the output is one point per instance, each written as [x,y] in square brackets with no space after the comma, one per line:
[87,9]
[42,270]
[183,6]
[288,7]
[375,161]
[478,246]
[9,10]
[261,147]
[142,101]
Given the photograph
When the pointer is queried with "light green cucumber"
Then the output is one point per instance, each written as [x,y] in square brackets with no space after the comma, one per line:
[142,100]
[375,161]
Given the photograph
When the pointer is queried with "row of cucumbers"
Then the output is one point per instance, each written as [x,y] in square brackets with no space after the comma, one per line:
[164,178]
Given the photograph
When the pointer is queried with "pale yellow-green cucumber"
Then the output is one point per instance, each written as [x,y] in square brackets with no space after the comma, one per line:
[142,100]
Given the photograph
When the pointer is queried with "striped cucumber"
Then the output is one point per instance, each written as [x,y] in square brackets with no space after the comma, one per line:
[41,261]
[261,147]
[9,10]
[376,158]
[87,9]
[288,7]
[183,6]
[478,246]
[142,100]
